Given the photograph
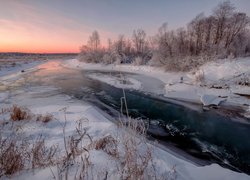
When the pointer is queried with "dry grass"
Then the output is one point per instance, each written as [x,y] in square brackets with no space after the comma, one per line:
[74,148]
[44,118]
[16,155]
[108,144]
[5,110]
[41,155]
[12,156]
[129,149]
[19,113]
[137,156]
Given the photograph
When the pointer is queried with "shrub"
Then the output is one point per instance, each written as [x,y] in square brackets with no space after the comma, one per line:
[108,59]
[199,76]
[108,144]
[11,156]
[42,156]
[16,155]
[44,118]
[19,113]
[138,61]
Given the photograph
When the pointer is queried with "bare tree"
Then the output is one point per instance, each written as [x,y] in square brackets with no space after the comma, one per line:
[197,27]
[164,41]
[222,13]
[109,45]
[94,41]
[223,33]
[237,24]
[92,51]
[139,41]
[120,45]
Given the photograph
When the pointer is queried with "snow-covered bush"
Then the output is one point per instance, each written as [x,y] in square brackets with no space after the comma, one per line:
[118,60]
[199,76]
[138,61]
[244,80]
[155,60]
[107,59]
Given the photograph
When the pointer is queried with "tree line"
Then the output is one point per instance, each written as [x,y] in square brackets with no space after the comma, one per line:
[225,33]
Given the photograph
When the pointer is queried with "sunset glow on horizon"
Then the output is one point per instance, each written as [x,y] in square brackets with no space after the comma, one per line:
[62,26]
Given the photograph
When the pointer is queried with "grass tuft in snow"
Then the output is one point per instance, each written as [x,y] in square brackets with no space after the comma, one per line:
[44,118]
[19,113]
[18,154]
[108,144]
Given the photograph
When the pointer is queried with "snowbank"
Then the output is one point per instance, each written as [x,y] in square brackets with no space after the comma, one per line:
[98,126]
[11,70]
[119,82]
[211,100]
[225,69]
[220,81]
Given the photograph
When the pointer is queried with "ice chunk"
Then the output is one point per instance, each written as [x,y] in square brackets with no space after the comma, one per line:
[207,100]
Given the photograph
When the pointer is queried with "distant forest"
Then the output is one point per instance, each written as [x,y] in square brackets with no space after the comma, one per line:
[223,34]
[35,56]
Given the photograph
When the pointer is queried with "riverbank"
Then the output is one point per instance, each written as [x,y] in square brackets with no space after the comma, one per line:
[42,100]
[223,82]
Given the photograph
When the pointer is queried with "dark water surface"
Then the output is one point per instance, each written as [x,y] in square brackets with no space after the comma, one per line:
[204,135]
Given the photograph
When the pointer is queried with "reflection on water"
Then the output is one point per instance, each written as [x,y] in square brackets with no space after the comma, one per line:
[51,66]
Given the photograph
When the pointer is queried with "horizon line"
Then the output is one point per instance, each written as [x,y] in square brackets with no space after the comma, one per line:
[25,52]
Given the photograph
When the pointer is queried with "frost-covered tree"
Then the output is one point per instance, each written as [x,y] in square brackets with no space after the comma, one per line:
[222,14]
[223,33]
[94,41]
[139,41]
[92,51]
[141,46]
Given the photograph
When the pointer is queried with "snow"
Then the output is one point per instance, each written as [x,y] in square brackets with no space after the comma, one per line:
[220,80]
[12,70]
[211,100]
[241,90]
[117,81]
[225,69]
[3,96]
[247,114]
[98,125]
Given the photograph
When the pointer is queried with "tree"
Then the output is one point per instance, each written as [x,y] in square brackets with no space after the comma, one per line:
[94,41]
[92,52]
[197,28]
[222,13]
[237,24]
[164,41]
[120,45]
[139,41]
[223,33]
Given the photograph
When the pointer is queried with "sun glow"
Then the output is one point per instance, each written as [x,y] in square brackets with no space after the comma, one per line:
[15,37]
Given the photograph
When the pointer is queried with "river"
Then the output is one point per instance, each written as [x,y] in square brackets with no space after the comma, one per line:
[205,135]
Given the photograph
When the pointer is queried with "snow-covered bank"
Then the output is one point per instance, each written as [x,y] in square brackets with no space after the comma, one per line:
[39,101]
[117,81]
[11,74]
[17,67]
[43,99]
[223,80]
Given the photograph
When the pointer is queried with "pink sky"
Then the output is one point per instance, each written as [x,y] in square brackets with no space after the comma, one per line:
[63,25]
[30,29]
